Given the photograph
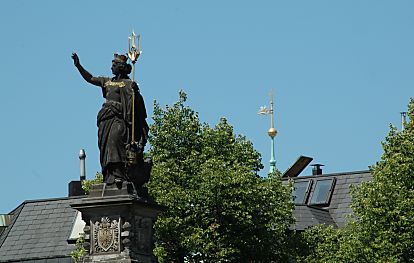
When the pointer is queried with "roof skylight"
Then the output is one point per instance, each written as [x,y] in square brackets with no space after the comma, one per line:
[301,191]
[322,192]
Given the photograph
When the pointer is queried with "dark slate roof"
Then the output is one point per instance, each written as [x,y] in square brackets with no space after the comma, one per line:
[6,231]
[307,216]
[338,209]
[39,232]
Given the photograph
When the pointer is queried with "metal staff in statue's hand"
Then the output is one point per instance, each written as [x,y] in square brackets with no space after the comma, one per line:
[134,147]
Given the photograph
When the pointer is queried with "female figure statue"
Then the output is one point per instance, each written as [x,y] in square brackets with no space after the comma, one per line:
[115,119]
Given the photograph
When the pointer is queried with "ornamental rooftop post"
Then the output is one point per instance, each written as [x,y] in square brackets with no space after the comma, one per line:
[272,132]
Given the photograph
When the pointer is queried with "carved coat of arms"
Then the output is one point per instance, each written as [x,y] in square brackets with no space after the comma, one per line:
[106,235]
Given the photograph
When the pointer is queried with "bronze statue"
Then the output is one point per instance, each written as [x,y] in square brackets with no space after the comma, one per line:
[122,126]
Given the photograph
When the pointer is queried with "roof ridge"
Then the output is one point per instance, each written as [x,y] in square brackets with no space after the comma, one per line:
[330,174]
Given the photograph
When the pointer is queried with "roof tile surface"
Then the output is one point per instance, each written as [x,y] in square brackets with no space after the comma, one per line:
[39,233]
[337,211]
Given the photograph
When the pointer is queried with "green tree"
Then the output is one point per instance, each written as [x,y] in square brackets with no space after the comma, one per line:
[383,227]
[79,251]
[385,207]
[320,244]
[87,184]
[219,209]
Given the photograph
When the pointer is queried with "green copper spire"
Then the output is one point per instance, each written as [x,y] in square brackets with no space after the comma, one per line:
[271,132]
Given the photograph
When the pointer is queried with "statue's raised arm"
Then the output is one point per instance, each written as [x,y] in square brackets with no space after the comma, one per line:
[85,74]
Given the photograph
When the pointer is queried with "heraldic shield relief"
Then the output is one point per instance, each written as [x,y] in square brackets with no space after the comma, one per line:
[105,236]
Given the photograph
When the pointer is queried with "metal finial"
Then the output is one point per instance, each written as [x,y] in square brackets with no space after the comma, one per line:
[272,132]
[264,110]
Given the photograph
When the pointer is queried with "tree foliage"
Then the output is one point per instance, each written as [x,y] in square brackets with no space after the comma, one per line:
[383,228]
[79,252]
[87,184]
[219,209]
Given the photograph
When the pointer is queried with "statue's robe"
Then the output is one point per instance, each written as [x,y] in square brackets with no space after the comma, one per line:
[114,121]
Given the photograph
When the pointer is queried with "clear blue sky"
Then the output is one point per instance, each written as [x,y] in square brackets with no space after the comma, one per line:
[341,72]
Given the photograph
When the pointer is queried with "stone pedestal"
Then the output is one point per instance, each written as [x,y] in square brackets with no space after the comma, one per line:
[119,225]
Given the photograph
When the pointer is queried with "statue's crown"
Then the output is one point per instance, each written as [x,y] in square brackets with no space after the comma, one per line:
[120,58]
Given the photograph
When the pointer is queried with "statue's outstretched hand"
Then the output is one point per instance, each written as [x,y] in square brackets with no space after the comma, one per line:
[75,59]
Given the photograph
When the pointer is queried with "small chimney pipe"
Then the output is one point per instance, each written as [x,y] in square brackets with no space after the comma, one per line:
[82,157]
[317,170]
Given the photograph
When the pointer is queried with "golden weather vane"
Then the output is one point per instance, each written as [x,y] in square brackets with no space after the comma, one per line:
[271,132]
